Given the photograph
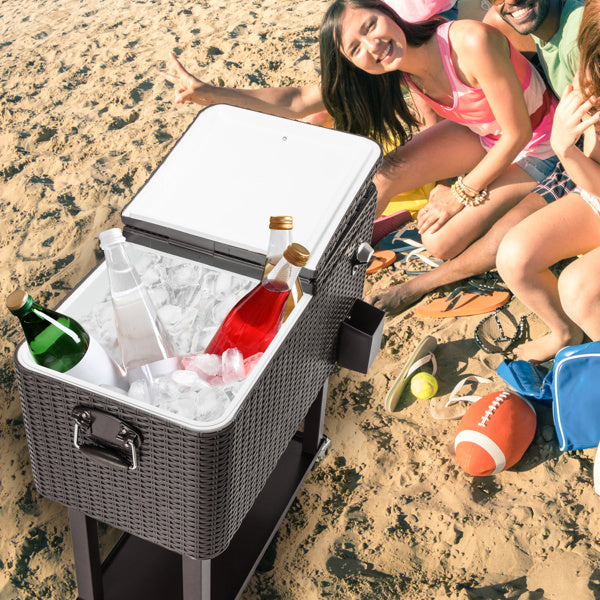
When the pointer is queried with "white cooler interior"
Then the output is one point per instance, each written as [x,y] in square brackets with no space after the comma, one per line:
[90,305]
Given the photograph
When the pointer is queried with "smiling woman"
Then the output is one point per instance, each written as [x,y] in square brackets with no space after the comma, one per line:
[362,75]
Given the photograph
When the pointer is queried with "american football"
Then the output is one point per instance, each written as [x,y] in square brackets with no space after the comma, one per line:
[494,433]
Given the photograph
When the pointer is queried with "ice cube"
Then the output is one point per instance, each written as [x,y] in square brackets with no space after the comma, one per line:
[163,390]
[187,380]
[205,365]
[232,366]
[211,405]
[145,261]
[138,390]
[152,276]
[208,283]
[224,285]
[184,280]
[220,311]
[170,315]
[184,274]
[159,296]
[203,306]
[184,405]
[232,389]
[201,338]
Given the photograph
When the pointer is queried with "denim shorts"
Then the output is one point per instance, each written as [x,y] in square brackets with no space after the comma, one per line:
[557,184]
[537,168]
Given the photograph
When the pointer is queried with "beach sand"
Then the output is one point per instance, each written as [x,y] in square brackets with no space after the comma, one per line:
[387,514]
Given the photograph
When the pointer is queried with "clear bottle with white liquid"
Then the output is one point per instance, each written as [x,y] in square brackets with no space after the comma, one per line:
[146,350]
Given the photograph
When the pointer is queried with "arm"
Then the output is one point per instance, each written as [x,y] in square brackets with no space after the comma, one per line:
[290,102]
[571,120]
[481,58]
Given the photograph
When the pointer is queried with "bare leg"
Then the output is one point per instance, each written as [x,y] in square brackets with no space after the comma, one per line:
[443,150]
[474,221]
[560,230]
[478,258]
[579,290]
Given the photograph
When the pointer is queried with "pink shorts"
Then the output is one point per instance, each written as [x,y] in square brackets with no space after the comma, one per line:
[593,201]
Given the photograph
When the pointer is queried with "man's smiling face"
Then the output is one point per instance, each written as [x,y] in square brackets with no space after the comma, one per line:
[525,16]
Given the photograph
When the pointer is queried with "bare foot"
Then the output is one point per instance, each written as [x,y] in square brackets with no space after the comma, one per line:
[395,298]
[546,347]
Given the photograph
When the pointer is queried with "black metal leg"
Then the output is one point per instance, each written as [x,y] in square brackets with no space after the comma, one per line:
[313,422]
[86,552]
[196,578]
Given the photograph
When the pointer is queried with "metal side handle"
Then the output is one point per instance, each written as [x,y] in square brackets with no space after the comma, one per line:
[115,443]
[363,255]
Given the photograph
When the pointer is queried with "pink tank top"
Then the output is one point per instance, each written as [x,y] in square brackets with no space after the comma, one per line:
[471,108]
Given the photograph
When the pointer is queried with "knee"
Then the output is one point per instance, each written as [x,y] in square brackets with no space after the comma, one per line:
[512,258]
[441,247]
[579,293]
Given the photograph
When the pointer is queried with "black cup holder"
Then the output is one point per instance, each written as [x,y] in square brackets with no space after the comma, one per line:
[360,337]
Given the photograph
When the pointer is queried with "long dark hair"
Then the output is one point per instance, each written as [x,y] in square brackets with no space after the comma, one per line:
[370,105]
[588,42]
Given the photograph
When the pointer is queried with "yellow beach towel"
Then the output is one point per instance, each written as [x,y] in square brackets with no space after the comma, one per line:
[413,201]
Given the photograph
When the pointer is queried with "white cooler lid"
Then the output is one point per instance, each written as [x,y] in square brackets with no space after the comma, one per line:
[234,168]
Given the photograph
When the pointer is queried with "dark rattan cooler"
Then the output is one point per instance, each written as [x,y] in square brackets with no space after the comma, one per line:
[192,489]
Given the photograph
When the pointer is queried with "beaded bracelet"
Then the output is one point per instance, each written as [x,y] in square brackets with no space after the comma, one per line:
[468,189]
[464,198]
[466,195]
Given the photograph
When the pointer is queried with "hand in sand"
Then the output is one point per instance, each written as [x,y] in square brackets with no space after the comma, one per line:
[187,87]
[440,208]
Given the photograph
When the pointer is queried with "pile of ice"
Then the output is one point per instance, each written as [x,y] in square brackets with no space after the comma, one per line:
[191,301]
[202,390]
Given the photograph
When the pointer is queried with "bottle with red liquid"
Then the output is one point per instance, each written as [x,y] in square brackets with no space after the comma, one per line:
[280,228]
[254,321]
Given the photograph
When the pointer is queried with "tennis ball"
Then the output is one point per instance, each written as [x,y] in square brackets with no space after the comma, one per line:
[424,385]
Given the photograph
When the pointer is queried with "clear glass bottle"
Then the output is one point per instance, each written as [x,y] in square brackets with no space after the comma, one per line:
[146,350]
[60,343]
[254,321]
[280,238]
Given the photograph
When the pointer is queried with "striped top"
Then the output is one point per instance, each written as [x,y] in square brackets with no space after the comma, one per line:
[471,108]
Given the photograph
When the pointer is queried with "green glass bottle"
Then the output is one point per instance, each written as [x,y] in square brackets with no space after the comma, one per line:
[60,343]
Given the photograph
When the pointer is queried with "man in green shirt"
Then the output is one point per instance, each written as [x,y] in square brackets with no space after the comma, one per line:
[553,25]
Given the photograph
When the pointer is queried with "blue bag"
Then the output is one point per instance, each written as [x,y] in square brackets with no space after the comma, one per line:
[570,387]
[576,396]
[530,381]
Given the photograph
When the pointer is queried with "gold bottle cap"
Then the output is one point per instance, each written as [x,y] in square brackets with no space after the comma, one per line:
[16,300]
[281,222]
[296,254]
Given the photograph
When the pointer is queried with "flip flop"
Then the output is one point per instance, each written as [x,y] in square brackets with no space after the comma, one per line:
[381,259]
[421,355]
[452,410]
[403,240]
[388,223]
[468,303]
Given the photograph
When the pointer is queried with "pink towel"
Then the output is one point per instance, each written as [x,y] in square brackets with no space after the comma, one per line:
[414,11]
[387,224]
